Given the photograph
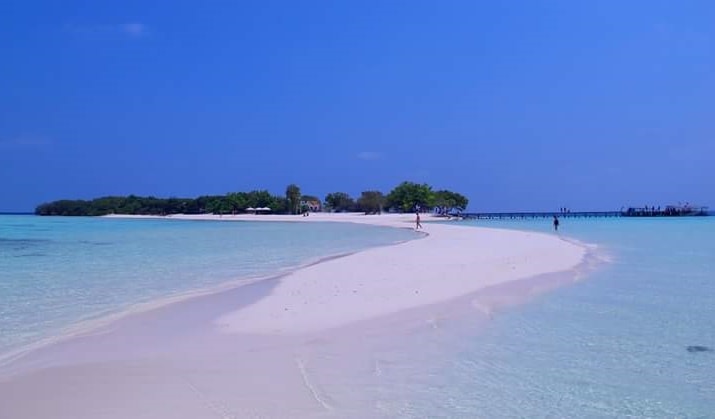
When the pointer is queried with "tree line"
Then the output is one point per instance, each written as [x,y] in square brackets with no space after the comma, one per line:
[406,197]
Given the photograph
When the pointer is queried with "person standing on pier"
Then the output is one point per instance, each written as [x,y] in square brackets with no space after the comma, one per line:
[556,223]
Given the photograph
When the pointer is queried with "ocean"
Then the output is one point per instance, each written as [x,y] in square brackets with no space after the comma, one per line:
[633,339]
[61,273]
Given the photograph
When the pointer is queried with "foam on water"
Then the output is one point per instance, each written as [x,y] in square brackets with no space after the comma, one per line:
[56,272]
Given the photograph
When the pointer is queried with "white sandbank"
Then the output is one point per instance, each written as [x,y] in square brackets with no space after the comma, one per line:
[450,262]
[317,342]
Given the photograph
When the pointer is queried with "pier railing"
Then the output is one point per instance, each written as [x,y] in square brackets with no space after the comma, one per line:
[631,212]
[534,215]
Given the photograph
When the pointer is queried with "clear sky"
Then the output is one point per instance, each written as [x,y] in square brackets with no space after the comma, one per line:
[519,105]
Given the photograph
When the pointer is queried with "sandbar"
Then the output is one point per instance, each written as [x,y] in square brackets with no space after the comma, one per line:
[316,342]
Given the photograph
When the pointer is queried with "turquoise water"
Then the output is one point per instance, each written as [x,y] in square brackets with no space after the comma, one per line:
[55,272]
[611,346]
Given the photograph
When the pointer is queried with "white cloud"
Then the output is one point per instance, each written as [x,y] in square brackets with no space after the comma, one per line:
[370,155]
[131,29]
[26,141]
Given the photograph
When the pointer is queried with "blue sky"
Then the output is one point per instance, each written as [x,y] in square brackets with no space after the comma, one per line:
[518,105]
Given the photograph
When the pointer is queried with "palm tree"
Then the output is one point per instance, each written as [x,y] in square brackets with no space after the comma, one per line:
[237,201]
[293,197]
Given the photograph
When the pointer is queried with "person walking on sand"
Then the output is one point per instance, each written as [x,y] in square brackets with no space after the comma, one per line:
[556,223]
[418,225]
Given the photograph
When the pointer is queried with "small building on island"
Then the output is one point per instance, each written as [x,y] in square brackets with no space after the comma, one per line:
[310,203]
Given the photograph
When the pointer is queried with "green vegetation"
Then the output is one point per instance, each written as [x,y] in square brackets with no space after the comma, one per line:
[339,202]
[371,202]
[217,204]
[408,195]
[449,201]
[293,198]
[403,198]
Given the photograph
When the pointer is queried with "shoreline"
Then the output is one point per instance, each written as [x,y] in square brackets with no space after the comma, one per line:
[217,327]
[96,323]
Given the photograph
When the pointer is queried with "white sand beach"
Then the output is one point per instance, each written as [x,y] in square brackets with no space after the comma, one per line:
[302,345]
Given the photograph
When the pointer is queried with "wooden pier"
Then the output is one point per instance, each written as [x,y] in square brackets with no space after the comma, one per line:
[630,212]
[535,215]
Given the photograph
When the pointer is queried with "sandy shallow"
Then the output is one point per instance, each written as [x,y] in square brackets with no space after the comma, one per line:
[323,341]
